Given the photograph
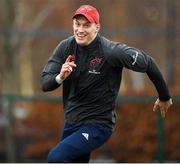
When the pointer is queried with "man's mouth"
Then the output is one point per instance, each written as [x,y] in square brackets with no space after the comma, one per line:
[81,36]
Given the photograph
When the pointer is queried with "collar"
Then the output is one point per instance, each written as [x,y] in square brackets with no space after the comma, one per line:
[92,45]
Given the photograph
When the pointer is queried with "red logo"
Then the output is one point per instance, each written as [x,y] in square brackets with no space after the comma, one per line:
[96,61]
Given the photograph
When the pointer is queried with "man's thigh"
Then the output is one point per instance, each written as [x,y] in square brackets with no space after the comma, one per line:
[80,143]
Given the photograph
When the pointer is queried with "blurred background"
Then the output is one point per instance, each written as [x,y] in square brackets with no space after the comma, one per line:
[31,121]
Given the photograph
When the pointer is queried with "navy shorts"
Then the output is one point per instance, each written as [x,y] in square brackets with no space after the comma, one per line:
[76,145]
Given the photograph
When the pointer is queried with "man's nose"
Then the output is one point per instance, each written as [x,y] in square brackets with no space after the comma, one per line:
[80,29]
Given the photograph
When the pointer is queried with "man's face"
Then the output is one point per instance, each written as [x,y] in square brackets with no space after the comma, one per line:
[84,31]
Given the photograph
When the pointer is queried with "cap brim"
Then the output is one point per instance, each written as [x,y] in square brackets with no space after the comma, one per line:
[85,15]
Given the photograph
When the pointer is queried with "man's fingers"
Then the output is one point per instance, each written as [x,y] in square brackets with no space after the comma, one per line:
[163,106]
[163,113]
[68,59]
[70,69]
[163,110]
[72,64]
[67,67]
[155,107]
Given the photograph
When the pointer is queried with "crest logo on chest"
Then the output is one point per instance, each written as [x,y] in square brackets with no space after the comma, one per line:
[94,65]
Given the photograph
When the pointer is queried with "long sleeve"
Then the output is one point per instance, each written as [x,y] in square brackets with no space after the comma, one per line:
[139,61]
[52,69]
[156,77]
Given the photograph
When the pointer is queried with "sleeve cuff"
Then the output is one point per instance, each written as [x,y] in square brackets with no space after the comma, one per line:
[58,79]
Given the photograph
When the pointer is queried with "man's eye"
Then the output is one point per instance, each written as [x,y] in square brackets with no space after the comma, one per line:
[87,25]
[77,24]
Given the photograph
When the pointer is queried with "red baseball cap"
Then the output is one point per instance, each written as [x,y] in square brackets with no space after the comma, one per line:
[89,12]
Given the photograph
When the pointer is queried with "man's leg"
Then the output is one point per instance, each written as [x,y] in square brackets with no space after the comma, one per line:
[79,144]
[83,159]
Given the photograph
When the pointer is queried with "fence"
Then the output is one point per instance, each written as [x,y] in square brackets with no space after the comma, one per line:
[30,126]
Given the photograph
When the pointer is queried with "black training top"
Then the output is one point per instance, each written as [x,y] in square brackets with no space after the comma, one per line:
[90,92]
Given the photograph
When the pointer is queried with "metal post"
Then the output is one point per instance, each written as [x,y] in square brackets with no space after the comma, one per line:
[160,138]
[9,135]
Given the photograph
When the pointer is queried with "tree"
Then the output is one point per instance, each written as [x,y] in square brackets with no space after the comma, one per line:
[16,56]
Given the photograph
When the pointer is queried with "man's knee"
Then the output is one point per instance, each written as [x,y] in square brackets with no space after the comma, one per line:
[54,157]
[60,154]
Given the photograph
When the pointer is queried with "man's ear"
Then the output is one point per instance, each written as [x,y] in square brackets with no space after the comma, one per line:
[98,27]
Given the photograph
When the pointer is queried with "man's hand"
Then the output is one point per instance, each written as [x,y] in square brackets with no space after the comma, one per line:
[163,106]
[67,67]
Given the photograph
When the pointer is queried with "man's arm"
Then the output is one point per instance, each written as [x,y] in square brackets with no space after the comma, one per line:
[52,69]
[136,60]
[58,68]
[164,101]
